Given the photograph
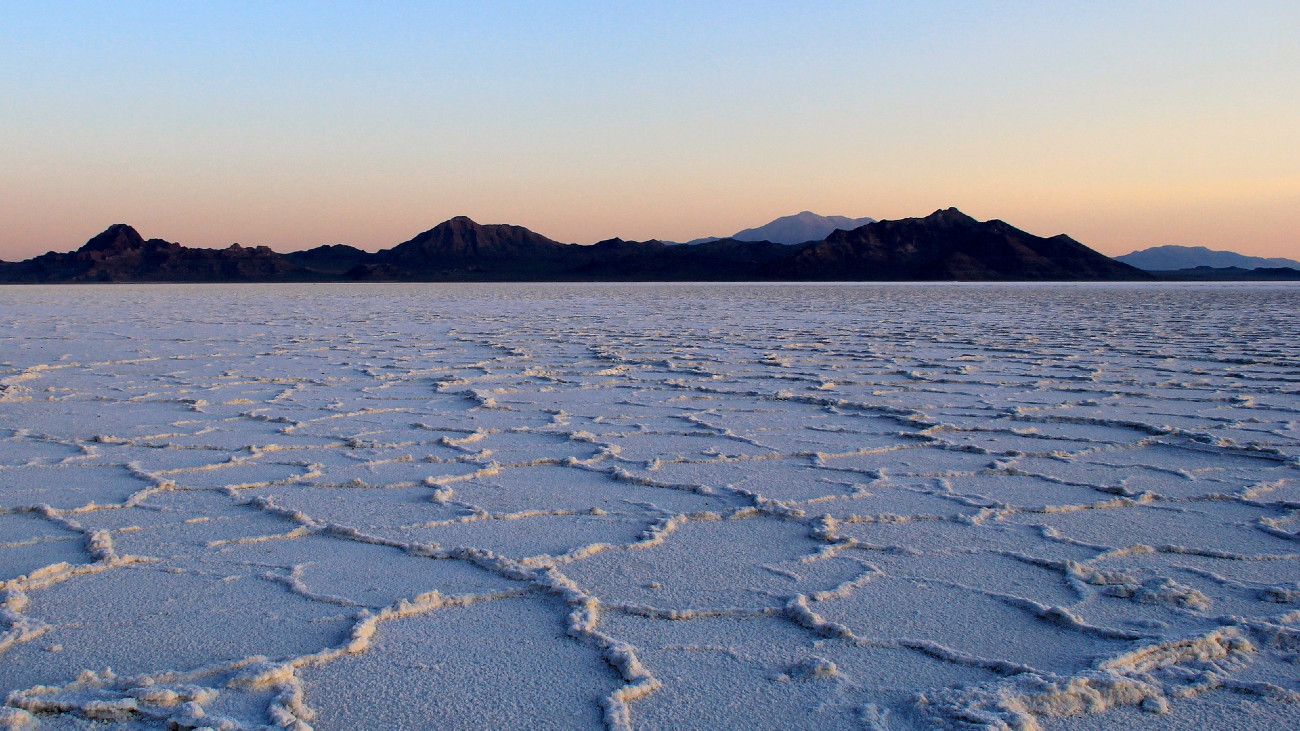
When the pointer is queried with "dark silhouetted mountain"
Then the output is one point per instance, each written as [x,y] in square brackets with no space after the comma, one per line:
[947,245]
[1168,258]
[116,239]
[1229,274]
[333,259]
[462,249]
[801,228]
[724,260]
[120,254]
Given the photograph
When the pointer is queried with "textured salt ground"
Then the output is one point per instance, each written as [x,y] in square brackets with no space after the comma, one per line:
[649,507]
[511,660]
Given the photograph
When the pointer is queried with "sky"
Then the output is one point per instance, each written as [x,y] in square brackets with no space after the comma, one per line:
[295,124]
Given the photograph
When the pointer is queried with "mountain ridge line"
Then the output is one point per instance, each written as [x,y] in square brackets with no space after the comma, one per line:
[945,245]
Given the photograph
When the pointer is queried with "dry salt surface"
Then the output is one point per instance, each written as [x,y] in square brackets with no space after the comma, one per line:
[651,507]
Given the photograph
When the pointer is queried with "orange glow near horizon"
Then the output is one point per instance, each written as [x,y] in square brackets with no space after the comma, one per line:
[1261,226]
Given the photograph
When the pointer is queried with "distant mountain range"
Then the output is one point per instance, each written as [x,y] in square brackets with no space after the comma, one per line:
[1228,274]
[1170,258]
[797,229]
[946,245]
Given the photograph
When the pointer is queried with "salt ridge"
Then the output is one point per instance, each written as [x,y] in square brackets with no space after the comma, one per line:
[780,482]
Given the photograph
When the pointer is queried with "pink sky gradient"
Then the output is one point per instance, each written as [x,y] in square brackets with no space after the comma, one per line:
[1123,125]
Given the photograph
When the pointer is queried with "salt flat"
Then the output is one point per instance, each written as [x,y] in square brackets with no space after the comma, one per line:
[642,506]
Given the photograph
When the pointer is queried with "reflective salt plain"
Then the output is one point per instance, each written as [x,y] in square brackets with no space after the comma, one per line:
[651,507]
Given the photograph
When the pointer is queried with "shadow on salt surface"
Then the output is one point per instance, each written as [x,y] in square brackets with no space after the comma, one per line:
[174,621]
[90,418]
[1213,526]
[506,663]
[918,395]
[980,571]
[67,486]
[1151,412]
[241,433]
[766,672]
[885,499]
[1219,709]
[1287,490]
[941,537]
[966,621]
[760,557]
[389,443]
[593,399]
[524,537]
[19,448]
[476,418]
[1187,591]
[567,488]
[1177,488]
[646,446]
[1092,474]
[784,479]
[1096,435]
[223,392]
[1193,458]
[1005,442]
[632,419]
[913,461]
[811,441]
[247,706]
[72,723]
[1024,491]
[336,468]
[518,447]
[239,474]
[29,543]
[165,458]
[183,524]
[800,423]
[333,569]
[360,507]
[414,391]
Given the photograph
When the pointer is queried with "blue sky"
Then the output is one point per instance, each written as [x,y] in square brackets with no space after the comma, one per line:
[293,124]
